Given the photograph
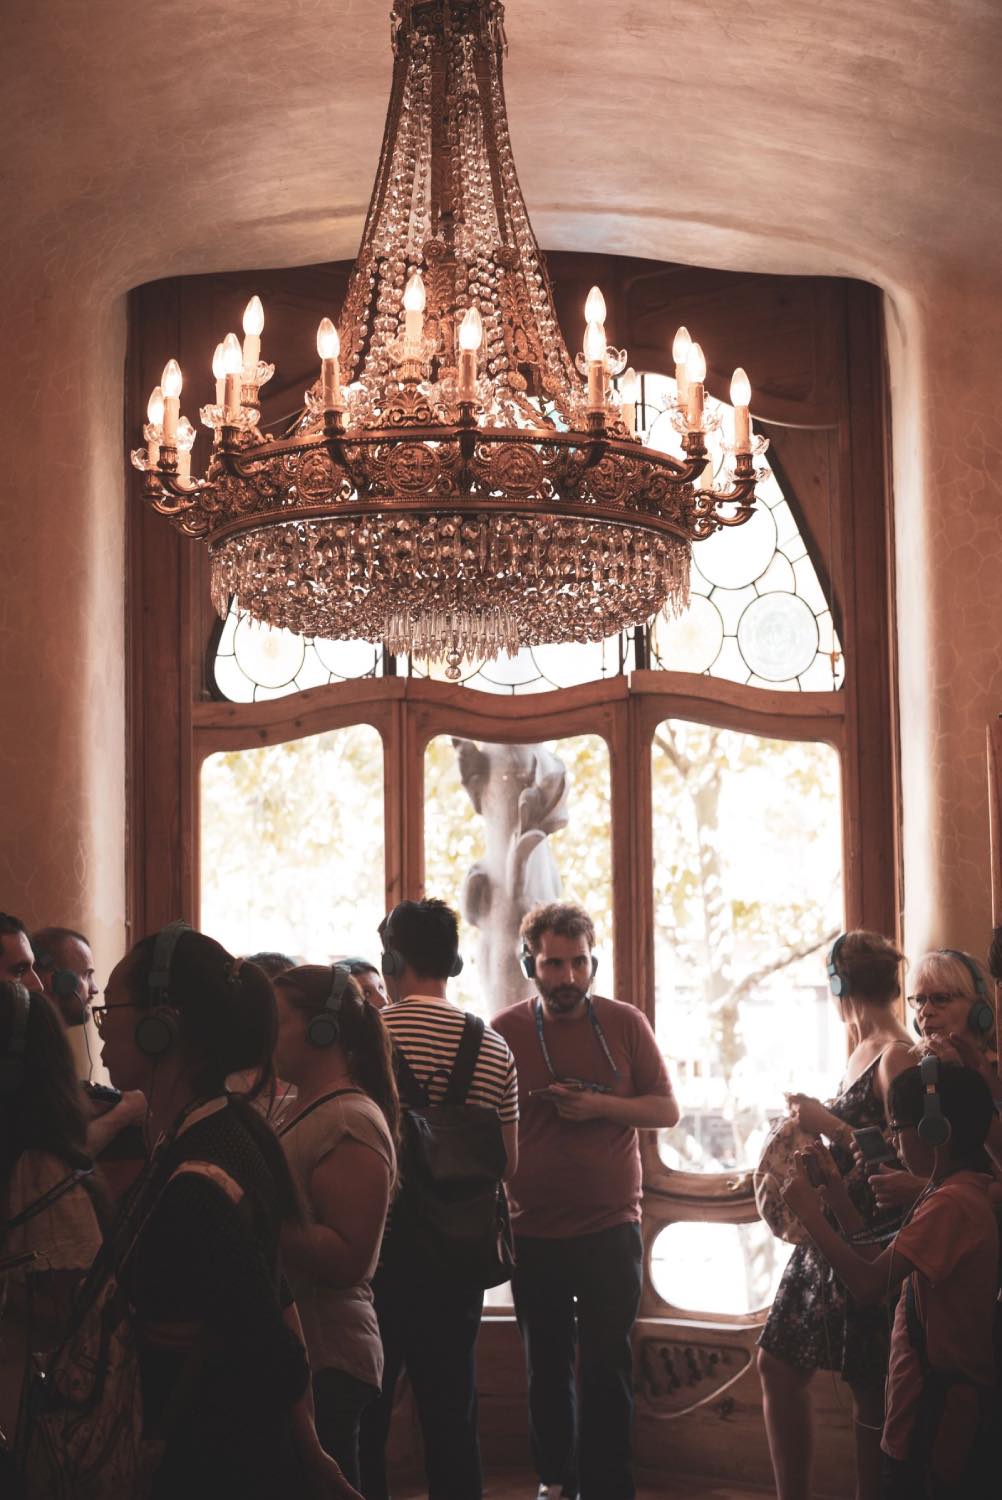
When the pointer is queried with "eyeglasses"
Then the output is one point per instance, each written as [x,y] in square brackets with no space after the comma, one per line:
[937,999]
[100,1011]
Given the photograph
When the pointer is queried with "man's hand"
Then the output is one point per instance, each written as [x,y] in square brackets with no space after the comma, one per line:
[576,1104]
[895,1189]
[799,1193]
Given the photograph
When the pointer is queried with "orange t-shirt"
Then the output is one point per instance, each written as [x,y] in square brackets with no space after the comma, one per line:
[578,1176]
[952,1241]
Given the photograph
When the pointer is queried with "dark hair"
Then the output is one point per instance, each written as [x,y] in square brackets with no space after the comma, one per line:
[10,925]
[228,1024]
[46,1112]
[358,965]
[871,965]
[273,963]
[46,942]
[562,918]
[426,934]
[965,1099]
[366,1041]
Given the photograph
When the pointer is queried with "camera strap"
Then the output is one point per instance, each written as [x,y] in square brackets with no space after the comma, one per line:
[596,1027]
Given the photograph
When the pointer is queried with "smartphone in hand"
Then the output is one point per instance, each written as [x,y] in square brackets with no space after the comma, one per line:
[874,1146]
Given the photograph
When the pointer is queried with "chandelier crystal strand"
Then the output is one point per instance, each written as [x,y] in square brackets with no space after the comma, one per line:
[451,496]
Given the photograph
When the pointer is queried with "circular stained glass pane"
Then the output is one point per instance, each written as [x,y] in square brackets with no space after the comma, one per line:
[692,642]
[737,555]
[346,658]
[778,636]
[269,657]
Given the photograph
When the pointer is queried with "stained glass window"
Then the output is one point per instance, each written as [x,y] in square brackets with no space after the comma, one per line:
[254,661]
[758,613]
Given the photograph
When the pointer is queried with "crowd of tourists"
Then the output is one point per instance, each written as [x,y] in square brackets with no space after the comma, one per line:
[303,1177]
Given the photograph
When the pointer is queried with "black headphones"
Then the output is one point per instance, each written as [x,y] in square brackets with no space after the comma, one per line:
[528,961]
[156,1029]
[65,985]
[981,1016]
[392,961]
[933,1128]
[837,981]
[324,1029]
[12,1056]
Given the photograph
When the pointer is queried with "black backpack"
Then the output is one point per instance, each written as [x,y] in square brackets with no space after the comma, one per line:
[450,1219]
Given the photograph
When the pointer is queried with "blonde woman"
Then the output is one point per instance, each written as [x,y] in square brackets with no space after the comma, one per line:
[950,998]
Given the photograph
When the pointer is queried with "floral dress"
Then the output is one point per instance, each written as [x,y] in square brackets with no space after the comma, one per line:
[814,1324]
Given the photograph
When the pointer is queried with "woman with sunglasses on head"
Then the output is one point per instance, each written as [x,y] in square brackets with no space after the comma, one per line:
[813,1325]
[951,1007]
[225,1378]
[47,1212]
[339,1138]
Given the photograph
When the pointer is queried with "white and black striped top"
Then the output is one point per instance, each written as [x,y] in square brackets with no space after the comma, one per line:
[428,1030]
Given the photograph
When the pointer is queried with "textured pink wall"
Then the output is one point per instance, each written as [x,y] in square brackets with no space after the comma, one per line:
[947,452]
[62,605]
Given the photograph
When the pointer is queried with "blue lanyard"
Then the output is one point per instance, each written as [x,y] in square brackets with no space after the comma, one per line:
[596,1027]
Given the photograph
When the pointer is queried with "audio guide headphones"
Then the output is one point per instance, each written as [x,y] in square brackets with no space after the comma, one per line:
[837,981]
[12,1056]
[981,1016]
[324,1029]
[528,961]
[933,1128]
[156,1029]
[65,985]
[392,961]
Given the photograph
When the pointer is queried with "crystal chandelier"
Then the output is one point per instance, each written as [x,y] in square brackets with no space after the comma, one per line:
[457,485]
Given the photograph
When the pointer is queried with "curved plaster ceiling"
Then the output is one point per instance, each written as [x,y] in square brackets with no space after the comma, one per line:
[780,135]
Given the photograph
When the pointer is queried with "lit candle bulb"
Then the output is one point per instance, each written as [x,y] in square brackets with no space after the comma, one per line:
[595,306]
[695,374]
[155,417]
[329,347]
[740,399]
[233,365]
[414,306]
[170,384]
[471,334]
[253,324]
[218,373]
[186,435]
[681,345]
[594,353]
[629,390]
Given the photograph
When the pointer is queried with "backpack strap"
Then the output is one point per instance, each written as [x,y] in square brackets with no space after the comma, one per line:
[466,1061]
[413,1095]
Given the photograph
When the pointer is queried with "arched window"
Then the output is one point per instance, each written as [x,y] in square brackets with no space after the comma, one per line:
[718,790]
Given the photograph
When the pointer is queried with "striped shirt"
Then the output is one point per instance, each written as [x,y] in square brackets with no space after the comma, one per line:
[428,1031]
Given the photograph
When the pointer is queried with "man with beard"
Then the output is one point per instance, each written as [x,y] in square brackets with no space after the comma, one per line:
[590,1076]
